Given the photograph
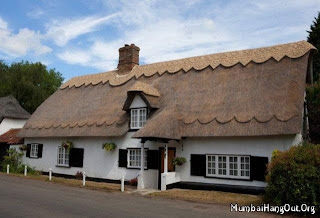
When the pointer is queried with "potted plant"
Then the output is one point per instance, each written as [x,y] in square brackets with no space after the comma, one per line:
[178,161]
[109,146]
[67,145]
[23,147]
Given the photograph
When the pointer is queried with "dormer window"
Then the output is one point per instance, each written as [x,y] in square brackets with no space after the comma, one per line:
[138,118]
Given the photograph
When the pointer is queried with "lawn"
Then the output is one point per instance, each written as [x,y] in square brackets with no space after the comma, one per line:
[211,197]
[74,182]
[214,197]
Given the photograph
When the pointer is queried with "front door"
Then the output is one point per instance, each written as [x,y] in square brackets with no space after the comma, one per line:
[171,167]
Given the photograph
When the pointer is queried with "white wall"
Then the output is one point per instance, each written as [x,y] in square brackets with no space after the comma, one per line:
[102,164]
[255,146]
[137,102]
[97,162]
[8,123]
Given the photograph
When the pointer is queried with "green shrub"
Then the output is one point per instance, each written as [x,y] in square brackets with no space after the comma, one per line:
[294,176]
[13,158]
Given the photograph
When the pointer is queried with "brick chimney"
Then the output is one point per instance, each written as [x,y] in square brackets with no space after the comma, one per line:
[128,58]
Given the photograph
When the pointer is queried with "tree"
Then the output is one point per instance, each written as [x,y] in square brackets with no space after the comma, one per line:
[314,39]
[30,83]
[313,90]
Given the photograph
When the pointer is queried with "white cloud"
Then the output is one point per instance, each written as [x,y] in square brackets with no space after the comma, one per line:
[61,31]
[20,44]
[3,24]
[166,30]
[35,13]
[102,56]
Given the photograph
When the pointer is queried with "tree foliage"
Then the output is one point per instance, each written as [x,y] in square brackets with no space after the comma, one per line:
[313,91]
[30,83]
[313,99]
[294,176]
[314,39]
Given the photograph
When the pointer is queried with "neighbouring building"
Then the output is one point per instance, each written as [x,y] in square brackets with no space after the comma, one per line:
[225,113]
[12,119]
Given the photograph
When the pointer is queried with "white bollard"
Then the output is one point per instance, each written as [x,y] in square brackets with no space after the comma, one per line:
[25,170]
[84,179]
[50,174]
[122,184]
[8,166]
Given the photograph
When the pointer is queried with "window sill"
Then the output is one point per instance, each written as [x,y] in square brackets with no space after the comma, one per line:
[136,168]
[228,178]
[63,166]
[33,157]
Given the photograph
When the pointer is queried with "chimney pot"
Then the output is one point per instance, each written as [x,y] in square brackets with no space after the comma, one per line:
[128,58]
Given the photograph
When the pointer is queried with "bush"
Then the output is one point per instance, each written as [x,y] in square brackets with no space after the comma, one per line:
[13,158]
[79,175]
[134,182]
[294,176]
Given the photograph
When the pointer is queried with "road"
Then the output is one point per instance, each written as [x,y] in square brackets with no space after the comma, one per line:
[20,197]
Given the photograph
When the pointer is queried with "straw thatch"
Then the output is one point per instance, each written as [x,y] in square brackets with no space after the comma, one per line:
[227,59]
[10,108]
[244,93]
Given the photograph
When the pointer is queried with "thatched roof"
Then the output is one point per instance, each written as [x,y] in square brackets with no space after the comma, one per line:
[243,93]
[11,137]
[10,108]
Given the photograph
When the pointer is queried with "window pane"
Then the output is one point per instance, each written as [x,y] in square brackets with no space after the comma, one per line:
[222,165]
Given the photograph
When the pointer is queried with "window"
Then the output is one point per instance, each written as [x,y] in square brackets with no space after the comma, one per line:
[138,117]
[34,150]
[211,160]
[245,166]
[134,158]
[228,166]
[233,166]
[63,156]
[222,165]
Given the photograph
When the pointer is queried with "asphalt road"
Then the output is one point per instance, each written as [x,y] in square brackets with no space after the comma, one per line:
[21,197]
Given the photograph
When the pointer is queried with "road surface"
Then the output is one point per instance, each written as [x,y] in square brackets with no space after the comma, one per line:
[20,197]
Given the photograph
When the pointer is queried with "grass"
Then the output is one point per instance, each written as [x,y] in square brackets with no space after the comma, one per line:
[212,197]
[74,182]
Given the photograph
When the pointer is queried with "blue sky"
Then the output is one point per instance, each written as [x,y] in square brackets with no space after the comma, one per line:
[78,37]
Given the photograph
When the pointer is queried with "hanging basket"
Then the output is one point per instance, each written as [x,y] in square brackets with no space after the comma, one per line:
[109,146]
[178,161]
[23,147]
[67,145]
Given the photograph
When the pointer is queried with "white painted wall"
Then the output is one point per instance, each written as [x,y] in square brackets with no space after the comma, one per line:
[255,146]
[8,123]
[137,102]
[102,164]
[97,162]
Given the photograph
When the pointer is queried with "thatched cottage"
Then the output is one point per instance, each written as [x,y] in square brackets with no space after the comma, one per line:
[224,113]
[12,119]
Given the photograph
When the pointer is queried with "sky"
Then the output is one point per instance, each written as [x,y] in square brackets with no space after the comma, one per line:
[78,37]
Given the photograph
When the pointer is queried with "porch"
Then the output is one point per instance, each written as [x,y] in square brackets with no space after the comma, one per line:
[166,173]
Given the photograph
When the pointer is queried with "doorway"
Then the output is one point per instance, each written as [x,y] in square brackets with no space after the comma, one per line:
[171,167]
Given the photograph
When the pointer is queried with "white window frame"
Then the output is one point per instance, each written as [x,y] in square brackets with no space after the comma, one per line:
[242,168]
[34,150]
[136,161]
[63,156]
[140,120]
